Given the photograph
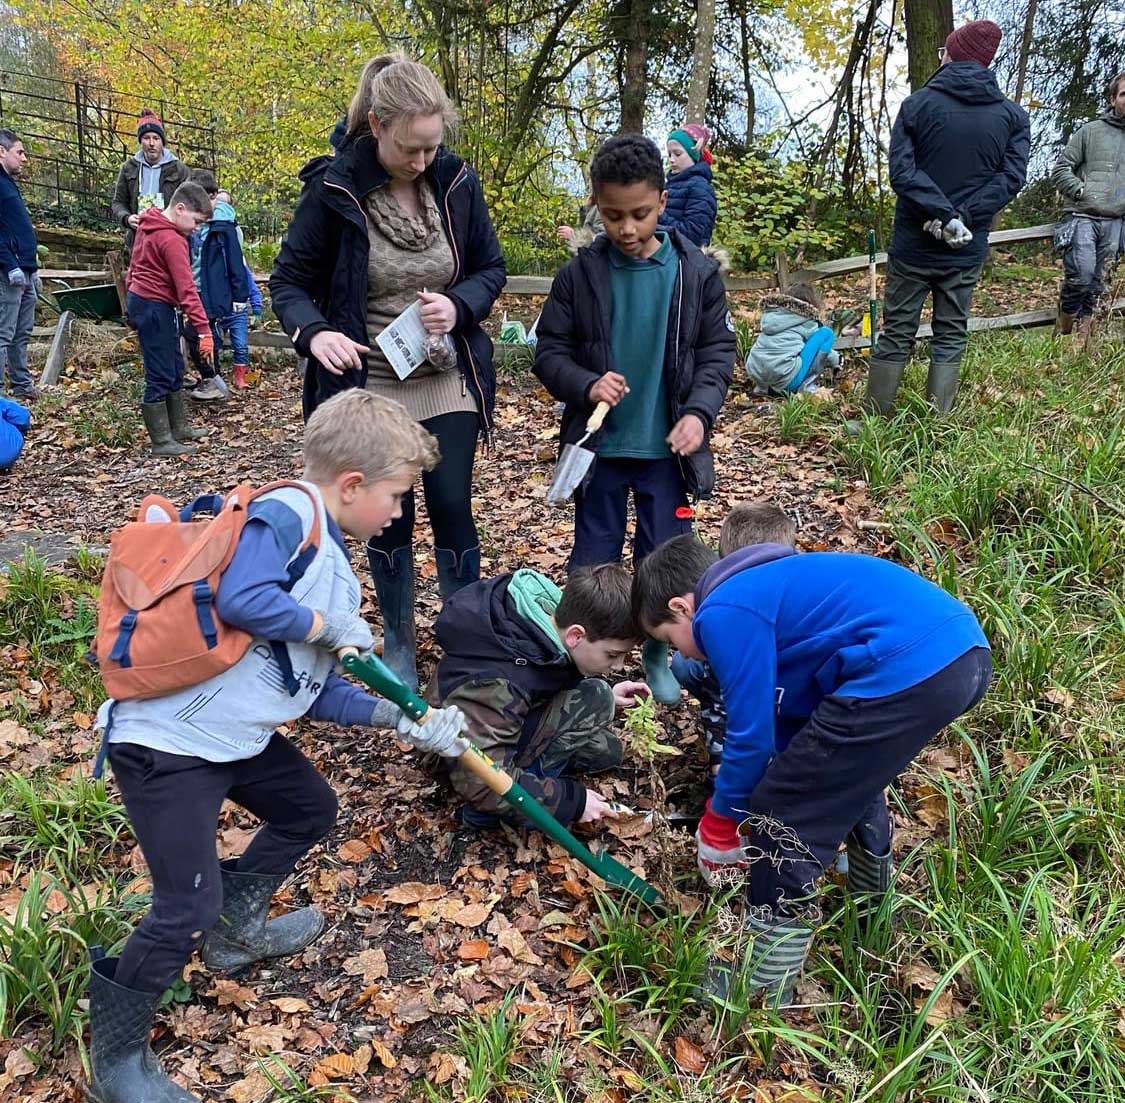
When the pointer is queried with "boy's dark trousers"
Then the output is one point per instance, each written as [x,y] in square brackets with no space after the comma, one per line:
[159,332]
[829,780]
[173,803]
[698,678]
[601,509]
[207,368]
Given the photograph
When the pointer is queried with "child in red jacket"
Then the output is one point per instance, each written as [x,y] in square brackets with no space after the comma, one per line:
[159,284]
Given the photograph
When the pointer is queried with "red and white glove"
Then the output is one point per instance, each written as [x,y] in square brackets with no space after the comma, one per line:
[720,855]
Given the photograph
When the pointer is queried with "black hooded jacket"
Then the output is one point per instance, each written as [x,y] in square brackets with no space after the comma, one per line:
[959,148]
[319,280]
[575,346]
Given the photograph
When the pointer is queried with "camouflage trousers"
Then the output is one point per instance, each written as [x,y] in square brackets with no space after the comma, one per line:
[579,737]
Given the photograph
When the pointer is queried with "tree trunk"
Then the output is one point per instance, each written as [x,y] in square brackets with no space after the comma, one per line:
[695,111]
[1025,48]
[634,83]
[747,83]
[928,25]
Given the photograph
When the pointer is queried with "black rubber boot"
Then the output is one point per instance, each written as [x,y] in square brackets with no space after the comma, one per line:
[177,415]
[123,1068]
[393,576]
[454,572]
[159,428]
[883,380]
[244,933]
[941,384]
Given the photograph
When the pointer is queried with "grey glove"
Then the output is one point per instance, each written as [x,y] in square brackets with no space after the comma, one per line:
[37,283]
[933,228]
[17,277]
[439,733]
[344,630]
[955,234]
[385,714]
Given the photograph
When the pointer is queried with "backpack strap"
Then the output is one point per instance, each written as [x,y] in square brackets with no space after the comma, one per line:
[313,539]
[205,503]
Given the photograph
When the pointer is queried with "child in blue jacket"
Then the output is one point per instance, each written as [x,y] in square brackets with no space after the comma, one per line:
[836,670]
[692,206]
[794,346]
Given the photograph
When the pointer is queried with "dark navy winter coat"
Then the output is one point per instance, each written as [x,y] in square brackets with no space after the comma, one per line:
[17,235]
[959,148]
[575,348]
[319,280]
[222,270]
[692,206]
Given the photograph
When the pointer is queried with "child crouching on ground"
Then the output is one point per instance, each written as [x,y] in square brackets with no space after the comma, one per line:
[747,523]
[794,346]
[176,758]
[520,660]
[836,670]
[158,283]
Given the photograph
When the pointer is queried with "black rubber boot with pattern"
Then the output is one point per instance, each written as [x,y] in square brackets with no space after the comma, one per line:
[244,933]
[123,1068]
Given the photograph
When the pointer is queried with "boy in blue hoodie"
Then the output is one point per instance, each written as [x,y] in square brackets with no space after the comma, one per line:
[836,670]
[638,320]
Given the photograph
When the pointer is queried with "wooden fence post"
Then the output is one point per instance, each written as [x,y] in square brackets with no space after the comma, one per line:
[56,355]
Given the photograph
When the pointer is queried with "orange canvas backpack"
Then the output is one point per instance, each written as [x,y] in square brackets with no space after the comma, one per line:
[158,631]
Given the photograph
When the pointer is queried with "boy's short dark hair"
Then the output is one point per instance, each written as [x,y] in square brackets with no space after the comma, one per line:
[192,196]
[627,159]
[599,599]
[205,178]
[751,523]
[670,571]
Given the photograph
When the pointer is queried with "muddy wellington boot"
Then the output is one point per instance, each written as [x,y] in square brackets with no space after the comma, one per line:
[123,1068]
[182,429]
[244,933]
[159,428]
[393,575]
[658,673]
[454,572]
[240,376]
[775,954]
[1064,323]
[883,381]
[941,384]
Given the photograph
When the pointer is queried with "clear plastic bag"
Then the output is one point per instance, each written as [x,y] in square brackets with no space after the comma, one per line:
[440,351]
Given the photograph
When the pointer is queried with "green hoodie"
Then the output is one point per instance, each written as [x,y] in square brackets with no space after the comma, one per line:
[1090,171]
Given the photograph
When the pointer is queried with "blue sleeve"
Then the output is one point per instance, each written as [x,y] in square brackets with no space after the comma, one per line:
[14,420]
[907,179]
[742,650]
[8,260]
[255,290]
[251,591]
[342,702]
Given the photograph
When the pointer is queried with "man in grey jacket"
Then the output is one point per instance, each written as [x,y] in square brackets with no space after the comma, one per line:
[1090,174]
[148,179]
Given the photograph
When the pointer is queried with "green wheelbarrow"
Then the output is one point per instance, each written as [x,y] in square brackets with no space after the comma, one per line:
[96,303]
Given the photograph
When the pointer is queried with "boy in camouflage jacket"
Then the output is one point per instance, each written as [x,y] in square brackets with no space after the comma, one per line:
[520,659]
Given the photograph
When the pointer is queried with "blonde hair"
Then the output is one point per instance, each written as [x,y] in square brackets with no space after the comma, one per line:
[359,431]
[750,523]
[394,88]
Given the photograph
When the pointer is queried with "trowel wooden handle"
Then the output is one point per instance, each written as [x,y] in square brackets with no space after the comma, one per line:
[594,422]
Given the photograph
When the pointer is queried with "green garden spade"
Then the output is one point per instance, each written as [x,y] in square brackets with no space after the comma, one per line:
[372,672]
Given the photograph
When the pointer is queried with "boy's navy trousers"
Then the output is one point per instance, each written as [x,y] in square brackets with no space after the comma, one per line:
[159,332]
[829,781]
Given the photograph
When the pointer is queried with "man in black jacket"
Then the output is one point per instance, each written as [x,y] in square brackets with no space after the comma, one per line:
[958,155]
[639,320]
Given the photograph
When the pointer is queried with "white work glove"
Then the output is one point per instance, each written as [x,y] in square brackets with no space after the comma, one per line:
[955,234]
[17,277]
[933,228]
[344,630]
[238,308]
[439,733]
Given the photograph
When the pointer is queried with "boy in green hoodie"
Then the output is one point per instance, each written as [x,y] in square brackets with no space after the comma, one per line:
[521,659]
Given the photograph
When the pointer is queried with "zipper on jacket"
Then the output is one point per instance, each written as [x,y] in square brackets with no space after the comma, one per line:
[340,187]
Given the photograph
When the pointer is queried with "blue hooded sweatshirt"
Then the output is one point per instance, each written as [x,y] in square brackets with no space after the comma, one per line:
[783,631]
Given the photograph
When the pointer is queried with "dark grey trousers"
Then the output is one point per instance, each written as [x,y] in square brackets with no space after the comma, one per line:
[903,298]
[1091,250]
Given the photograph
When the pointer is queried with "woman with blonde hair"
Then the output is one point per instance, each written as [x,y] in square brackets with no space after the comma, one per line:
[394,218]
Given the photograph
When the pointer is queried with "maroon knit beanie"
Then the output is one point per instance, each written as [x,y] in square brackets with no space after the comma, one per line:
[977,41]
[149,123]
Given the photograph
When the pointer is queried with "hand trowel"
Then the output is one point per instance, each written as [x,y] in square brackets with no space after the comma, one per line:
[575,461]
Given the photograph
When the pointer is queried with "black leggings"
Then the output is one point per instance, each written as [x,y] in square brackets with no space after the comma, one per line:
[448,490]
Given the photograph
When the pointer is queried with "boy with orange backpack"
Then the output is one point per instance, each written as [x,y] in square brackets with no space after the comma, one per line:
[267,598]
